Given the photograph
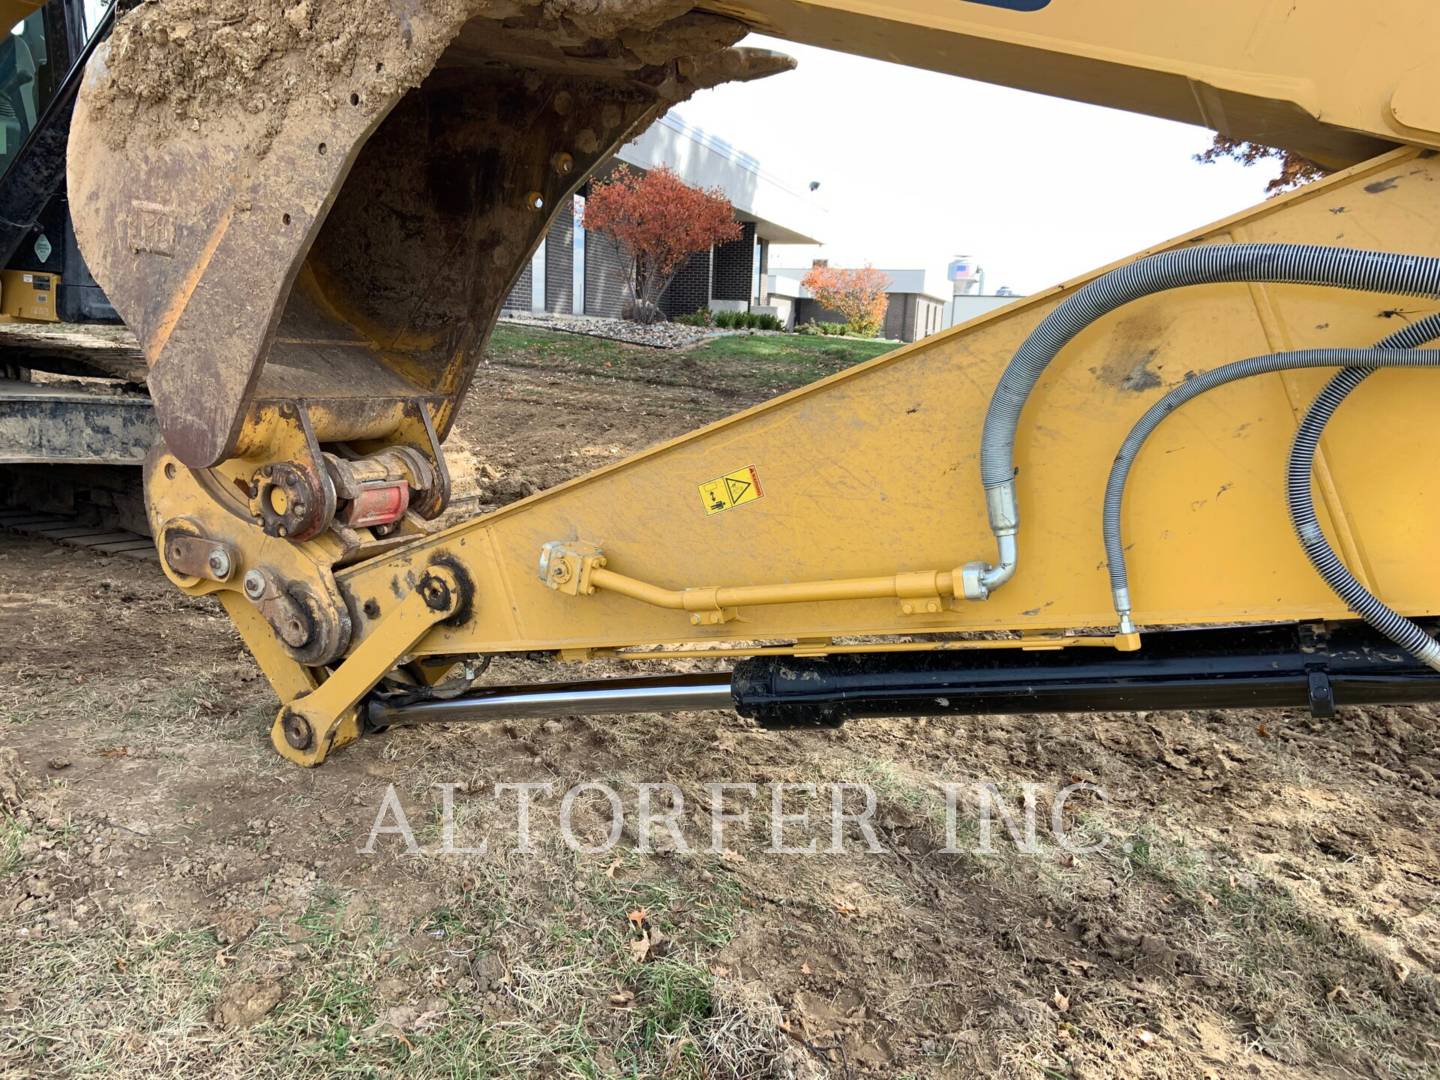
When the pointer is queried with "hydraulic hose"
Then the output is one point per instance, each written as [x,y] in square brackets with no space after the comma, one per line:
[1405,633]
[1292,264]
[1124,461]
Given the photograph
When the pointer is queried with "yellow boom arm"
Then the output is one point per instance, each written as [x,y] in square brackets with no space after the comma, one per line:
[1336,82]
[313,291]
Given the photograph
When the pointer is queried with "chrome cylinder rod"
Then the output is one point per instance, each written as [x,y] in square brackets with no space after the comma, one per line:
[605,697]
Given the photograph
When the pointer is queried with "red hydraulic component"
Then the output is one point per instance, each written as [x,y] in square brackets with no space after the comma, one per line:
[377,504]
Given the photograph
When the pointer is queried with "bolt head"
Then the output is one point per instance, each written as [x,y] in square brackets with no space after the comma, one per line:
[254,585]
[219,563]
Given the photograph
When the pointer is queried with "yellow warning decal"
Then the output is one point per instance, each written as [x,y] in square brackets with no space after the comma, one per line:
[732,490]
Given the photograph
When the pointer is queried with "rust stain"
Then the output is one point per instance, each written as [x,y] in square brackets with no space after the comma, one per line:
[1130,366]
[1135,378]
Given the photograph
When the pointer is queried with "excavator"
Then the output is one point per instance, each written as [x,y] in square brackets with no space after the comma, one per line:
[1136,490]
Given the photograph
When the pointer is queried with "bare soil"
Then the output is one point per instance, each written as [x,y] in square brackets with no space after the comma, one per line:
[174,900]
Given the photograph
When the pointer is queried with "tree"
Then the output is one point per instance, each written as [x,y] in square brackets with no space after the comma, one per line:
[657,221]
[857,295]
[1295,171]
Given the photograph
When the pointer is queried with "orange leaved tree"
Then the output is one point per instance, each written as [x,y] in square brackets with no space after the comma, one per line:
[1295,171]
[857,295]
[657,221]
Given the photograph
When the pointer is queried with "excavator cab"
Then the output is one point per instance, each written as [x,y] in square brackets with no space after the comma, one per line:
[42,61]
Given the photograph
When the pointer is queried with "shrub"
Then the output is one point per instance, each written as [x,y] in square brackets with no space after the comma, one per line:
[823,329]
[857,295]
[746,320]
[702,318]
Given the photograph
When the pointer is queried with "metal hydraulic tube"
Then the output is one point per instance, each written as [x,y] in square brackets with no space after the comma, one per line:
[1257,667]
[609,697]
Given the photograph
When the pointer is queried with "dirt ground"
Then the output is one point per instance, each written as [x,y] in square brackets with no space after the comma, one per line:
[174,900]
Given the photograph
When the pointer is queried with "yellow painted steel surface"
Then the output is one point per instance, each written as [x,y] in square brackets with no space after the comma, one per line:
[1317,76]
[12,11]
[862,489]
[874,471]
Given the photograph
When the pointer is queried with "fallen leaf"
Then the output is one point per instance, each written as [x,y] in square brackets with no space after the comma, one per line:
[1060,1001]
[115,752]
[638,917]
[1337,993]
[640,949]
[623,999]
[610,870]
[804,967]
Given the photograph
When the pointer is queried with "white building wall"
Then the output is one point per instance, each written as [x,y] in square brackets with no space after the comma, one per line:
[964,308]
[786,216]
[537,278]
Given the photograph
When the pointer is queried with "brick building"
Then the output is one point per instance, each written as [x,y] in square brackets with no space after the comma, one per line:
[573,272]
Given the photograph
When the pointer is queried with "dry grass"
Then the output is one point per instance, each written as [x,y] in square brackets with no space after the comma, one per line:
[1264,904]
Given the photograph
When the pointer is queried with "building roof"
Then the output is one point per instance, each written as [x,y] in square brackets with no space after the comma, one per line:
[783,214]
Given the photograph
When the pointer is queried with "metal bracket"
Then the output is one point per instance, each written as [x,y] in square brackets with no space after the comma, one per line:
[714,618]
[312,725]
[566,566]
[1315,642]
[919,594]
[191,555]
[1322,695]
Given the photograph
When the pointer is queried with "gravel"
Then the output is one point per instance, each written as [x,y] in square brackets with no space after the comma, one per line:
[667,335]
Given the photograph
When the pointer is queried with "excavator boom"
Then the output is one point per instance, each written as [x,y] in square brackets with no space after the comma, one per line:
[312,250]
[1338,83]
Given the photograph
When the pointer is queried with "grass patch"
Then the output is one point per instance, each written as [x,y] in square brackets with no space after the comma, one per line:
[815,357]
[12,835]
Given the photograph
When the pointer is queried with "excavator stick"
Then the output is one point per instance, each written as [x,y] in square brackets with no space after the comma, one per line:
[312,247]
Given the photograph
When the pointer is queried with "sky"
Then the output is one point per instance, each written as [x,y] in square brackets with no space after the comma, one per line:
[917,167]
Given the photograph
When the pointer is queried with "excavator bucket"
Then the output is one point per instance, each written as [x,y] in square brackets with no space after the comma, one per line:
[315,209]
